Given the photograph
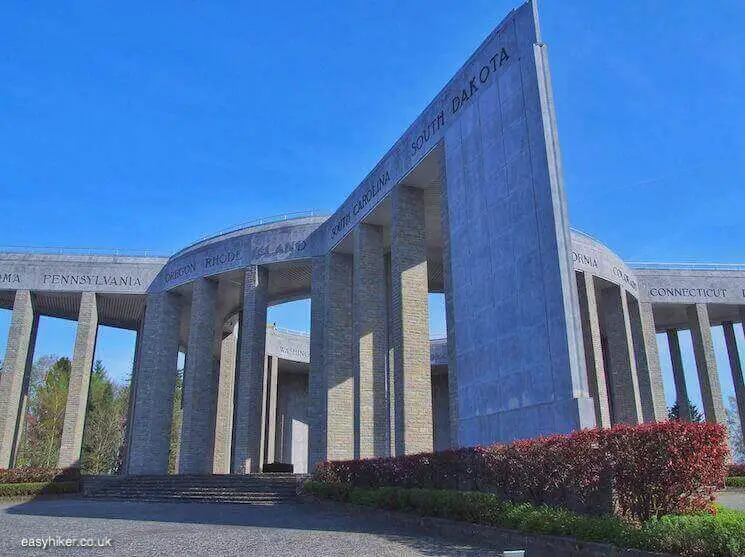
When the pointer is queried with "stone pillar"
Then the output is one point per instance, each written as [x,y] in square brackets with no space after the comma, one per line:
[681,390]
[272,376]
[198,426]
[317,370]
[588,306]
[132,399]
[338,358]
[706,364]
[16,372]
[447,279]
[80,377]
[249,384]
[410,322]
[736,367]
[370,342]
[156,383]
[224,409]
[651,390]
[624,386]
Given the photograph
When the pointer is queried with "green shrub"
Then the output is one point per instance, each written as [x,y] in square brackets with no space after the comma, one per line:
[36,475]
[735,481]
[38,488]
[697,535]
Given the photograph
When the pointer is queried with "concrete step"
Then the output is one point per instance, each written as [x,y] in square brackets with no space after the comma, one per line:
[249,489]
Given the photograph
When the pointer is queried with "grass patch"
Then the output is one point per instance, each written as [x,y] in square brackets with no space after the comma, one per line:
[38,488]
[700,535]
[735,481]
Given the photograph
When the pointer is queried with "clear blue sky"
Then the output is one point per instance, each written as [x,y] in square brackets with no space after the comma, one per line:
[146,125]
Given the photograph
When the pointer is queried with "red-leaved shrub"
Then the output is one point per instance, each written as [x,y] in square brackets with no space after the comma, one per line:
[636,471]
[38,475]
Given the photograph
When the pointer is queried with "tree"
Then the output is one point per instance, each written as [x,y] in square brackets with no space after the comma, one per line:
[104,423]
[734,427]
[46,413]
[178,411]
[673,413]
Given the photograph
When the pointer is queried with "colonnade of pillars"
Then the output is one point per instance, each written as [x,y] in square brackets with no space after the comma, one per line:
[369,384]
[623,364]
[16,375]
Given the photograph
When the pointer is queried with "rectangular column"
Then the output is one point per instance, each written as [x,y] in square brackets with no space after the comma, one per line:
[156,383]
[317,373]
[198,425]
[588,306]
[410,322]
[681,390]
[14,378]
[224,409]
[447,279]
[370,342]
[338,358]
[249,384]
[736,367]
[132,400]
[706,364]
[624,385]
[272,368]
[80,376]
[649,373]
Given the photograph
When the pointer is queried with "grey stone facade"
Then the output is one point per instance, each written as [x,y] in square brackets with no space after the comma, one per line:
[225,396]
[706,364]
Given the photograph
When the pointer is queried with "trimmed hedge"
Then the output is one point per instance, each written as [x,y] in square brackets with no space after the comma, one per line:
[700,535]
[636,471]
[735,481]
[38,488]
[36,475]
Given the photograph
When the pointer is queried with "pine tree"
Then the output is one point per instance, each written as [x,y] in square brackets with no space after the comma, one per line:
[674,413]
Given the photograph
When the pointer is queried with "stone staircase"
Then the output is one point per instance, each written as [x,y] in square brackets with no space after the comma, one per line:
[254,489]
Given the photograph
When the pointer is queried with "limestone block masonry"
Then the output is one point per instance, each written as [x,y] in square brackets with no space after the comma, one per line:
[80,376]
[370,342]
[16,369]
[249,380]
[156,383]
[198,422]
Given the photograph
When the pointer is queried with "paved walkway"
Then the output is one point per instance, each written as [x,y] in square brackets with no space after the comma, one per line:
[139,528]
[732,498]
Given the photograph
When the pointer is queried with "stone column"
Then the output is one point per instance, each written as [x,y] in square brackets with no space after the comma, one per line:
[410,322]
[16,372]
[80,377]
[624,385]
[588,306]
[447,279]
[155,386]
[317,371]
[249,385]
[681,390]
[651,389]
[132,399]
[338,358]
[370,343]
[706,364]
[736,367]
[198,426]
[224,410]
[272,375]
